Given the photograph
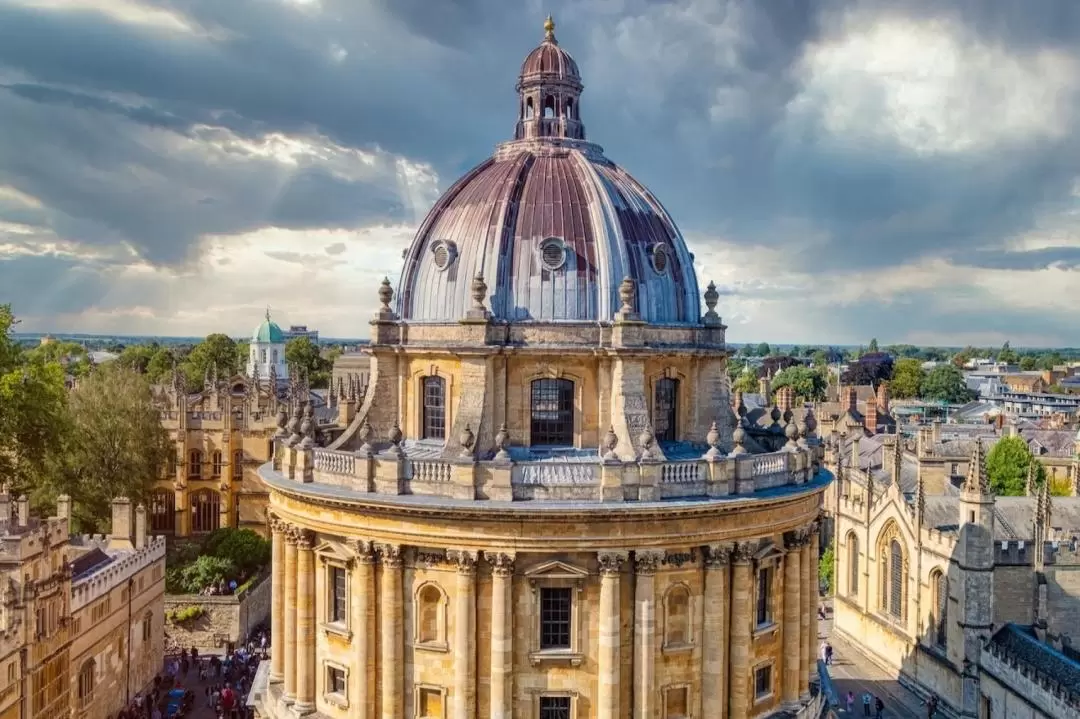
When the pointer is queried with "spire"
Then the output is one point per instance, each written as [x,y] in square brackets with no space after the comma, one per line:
[920,497]
[268,313]
[1030,487]
[549,31]
[977,482]
[1043,506]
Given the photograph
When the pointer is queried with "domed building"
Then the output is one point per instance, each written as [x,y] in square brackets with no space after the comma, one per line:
[266,351]
[543,504]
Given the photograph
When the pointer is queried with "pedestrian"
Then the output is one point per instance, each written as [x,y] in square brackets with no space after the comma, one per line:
[880,706]
[851,703]
[828,654]
[931,706]
[822,654]
[866,700]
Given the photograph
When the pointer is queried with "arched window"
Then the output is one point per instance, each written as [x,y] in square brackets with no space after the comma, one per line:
[853,564]
[665,409]
[275,356]
[86,682]
[896,579]
[434,409]
[237,467]
[677,616]
[569,109]
[262,356]
[163,511]
[939,590]
[148,626]
[215,463]
[431,616]
[549,107]
[194,470]
[530,111]
[552,413]
[205,511]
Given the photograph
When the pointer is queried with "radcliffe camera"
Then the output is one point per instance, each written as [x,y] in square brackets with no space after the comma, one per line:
[344,372]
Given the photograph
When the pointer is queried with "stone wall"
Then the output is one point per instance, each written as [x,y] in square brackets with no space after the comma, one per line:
[226,619]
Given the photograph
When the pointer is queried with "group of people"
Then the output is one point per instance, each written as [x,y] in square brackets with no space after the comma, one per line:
[870,703]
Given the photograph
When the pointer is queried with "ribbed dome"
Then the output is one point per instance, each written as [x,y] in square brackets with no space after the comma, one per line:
[551,224]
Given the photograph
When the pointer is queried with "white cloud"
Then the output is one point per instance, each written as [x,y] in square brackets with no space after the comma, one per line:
[931,87]
[129,12]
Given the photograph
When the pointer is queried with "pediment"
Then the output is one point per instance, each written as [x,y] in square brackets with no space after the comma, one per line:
[329,549]
[768,552]
[555,569]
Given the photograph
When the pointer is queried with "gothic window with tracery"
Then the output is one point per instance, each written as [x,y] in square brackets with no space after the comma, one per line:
[939,587]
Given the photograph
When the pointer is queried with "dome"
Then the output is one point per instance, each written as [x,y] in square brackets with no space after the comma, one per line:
[268,332]
[550,223]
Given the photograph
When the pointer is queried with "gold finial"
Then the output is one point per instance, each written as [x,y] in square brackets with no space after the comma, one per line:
[549,28]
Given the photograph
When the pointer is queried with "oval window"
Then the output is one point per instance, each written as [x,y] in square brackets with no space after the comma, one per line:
[553,254]
[443,253]
[660,258]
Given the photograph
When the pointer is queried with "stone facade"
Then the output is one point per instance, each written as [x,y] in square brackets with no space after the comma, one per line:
[226,620]
[926,581]
[82,621]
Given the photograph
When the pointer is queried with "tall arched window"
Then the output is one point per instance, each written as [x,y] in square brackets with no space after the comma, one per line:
[939,589]
[205,511]
[237,467]
[549,107]
[853,564]
[163,511]
[666,408]
[431,616]
[215,464]
[194,469]
[677,616]
[896,579]
[434,414]
[87,679]
[552,412]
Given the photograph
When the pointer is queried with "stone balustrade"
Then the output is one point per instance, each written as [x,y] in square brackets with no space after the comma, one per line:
[576,479]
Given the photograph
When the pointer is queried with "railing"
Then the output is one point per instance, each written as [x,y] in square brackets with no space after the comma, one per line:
[335,462]
[766,464]
[681,472]
[428,471]
[555,474]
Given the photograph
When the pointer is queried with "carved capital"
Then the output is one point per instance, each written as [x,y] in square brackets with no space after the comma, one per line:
[288,532]
[464,559]
[743,553]
[389,555]
[363,549]
[502,565]
[611,562]
[646,561]
[305,539]
[718,555]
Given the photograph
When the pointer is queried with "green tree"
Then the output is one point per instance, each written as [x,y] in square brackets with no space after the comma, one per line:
[964,356]
[1028,363]
[820,358]
[1007,467]
[217,350]
[137,357]
[827,569]
[115,445]
[303,354]
[747,382]
[908,377]
[945,383]
[32,411]
[1006,354]
[160,365]
[809,383]
[873,345]
[763,350]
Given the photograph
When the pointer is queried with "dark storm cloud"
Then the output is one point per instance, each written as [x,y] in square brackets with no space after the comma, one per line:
[692,96]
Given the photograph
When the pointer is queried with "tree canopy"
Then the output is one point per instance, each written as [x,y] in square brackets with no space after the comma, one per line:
[945,383]
[809,383]
[872,368]
[907,379]
[217,350]
[303,354]
[1007,467]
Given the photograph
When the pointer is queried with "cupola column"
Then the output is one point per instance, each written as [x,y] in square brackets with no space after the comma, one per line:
[305,623]
[363,592]
[289,643]
[793,637]
[742,582]
[806,651]
[390,632]
[502,635]
[277,599]
[714,634]
[645,562]
[464,705]
[610,636]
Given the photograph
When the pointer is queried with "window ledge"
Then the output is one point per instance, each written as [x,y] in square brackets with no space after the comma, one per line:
[337,629]
[681,648]
[760,699]
[575,659]
[440,647]
[337,700]
[762,630]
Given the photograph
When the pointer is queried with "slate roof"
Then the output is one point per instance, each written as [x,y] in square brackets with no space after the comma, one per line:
[88,563]
[1021,643]
[1012,516]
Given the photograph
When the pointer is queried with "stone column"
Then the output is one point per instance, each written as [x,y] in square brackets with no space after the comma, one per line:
[305,623]
[277,600]
[609,663]
[502,635]
[390,632]
[645,562]
[288,641]
[813,591]
[363,588]
[808,648]
[464,693]
[714,633]
[742,585]
[792,628]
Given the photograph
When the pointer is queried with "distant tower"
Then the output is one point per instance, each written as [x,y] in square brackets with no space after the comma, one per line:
[267,351]
[971,580]
[549,88]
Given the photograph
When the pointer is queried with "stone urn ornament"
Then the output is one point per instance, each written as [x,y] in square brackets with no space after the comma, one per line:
[502,441]
[467,439]
[282,422]
[365,434]
[395,435]
[611,441]
[738,436]
[713,440]
[647,440]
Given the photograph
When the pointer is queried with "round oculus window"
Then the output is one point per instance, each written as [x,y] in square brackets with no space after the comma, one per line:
[553,254]
[443,254]
[660,258]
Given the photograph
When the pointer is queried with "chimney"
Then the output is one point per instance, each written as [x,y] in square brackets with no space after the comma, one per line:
[855,451]
[870,418]
[849,399]
[24,511]
[63,506]
[883,397]
[763,388]
[888,453]
[785,398]
[935,431]
[120,537]
[346,411]
[923,447]
[140,527]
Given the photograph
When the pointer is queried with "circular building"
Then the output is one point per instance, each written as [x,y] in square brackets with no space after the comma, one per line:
[542,504]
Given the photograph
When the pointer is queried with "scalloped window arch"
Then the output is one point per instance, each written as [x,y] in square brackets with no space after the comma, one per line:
[431,616]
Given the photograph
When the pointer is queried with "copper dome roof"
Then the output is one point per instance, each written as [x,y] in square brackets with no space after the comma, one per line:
[551,224]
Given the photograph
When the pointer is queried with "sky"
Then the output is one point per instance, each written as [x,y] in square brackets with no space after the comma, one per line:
[841,169]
